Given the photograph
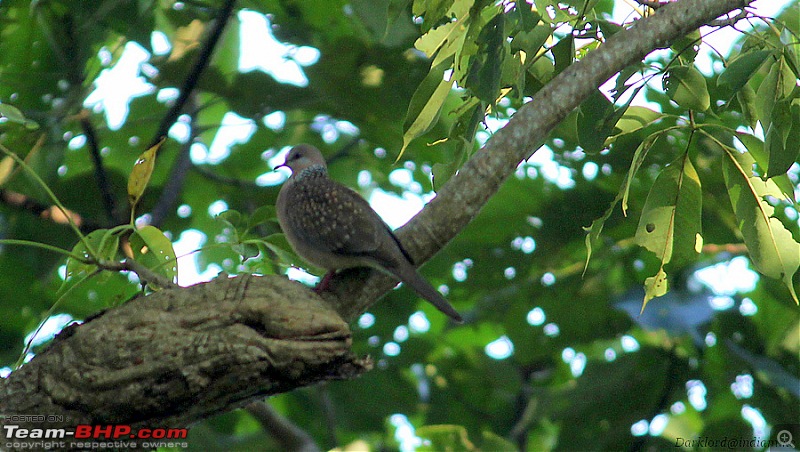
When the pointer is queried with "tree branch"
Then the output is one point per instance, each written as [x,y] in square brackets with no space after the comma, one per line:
[462,197]
[290,437]
[181,355]
[99,169]
[193,78]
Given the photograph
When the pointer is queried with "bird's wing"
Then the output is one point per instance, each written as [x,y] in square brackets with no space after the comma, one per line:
[338,220]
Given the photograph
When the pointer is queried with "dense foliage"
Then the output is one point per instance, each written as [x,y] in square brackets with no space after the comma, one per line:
[678,202]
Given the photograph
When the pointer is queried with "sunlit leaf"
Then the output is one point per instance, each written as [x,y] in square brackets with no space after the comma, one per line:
[638,159]
[141,172]
[6,167]
[655,286]
[772,248]
[670,220]
[154,250]
[426,104]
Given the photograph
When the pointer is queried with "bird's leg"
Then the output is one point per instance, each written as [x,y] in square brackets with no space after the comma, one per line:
[325,282]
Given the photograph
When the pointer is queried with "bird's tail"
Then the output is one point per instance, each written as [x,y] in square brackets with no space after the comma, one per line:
[409,276]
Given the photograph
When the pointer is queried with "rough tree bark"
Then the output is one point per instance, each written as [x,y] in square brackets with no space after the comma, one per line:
[180,355]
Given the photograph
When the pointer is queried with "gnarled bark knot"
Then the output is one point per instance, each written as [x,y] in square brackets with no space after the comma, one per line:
[179,355]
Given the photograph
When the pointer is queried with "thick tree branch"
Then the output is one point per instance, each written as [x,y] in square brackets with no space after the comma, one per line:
[462,197]
[181,355]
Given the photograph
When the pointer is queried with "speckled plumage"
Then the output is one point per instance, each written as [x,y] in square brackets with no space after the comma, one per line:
[333,227]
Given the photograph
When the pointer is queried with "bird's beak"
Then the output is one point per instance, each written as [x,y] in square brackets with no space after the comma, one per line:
[282,165]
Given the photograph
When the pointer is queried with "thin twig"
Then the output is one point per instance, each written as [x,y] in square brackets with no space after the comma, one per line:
[203,60]
[224,180]
[289,436]
[99,170]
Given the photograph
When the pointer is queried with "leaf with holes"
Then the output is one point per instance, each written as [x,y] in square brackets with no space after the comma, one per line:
[687,87]
[670,221]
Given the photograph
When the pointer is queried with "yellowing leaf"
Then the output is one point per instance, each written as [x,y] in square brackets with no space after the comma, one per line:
[426,104]
[6,166]
[141,172]
[655,286]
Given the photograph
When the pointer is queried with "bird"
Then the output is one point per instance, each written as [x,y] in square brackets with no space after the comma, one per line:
[333,227]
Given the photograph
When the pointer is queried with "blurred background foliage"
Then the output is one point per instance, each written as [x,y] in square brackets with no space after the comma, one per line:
[551,357]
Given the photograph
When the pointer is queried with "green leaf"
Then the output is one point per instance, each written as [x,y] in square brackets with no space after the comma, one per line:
[447,40]
[483,77]
[777,85]
[426,104]
[739,71]
[670,222]
[782,139]
[687,87]
[747,101]
[444,437]
[593,124]
[153,249]
[104,242]
[636,118]
[638,159]
[773,250]
[13,114]
[756,149]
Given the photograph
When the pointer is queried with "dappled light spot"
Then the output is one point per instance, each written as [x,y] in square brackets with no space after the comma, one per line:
[721,303]
[742,388]
[391,349]
[400,333]
[217,207]
[259,50]
[418,322]
[404,433]
[184,211]
[730,277]
[500,348]
[747,307]
[48,329]
[640,428]
[629,344]
[696,392]
[366,320]
[658,424]
[551,330]
[756,419]
[536,316]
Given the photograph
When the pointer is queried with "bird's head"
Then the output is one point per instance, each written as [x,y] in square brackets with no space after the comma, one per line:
[301,157]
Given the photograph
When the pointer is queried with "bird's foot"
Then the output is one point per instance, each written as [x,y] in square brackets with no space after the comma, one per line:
[325,283]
